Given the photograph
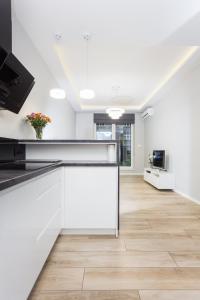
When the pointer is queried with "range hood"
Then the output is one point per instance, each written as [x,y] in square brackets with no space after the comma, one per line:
[16,81]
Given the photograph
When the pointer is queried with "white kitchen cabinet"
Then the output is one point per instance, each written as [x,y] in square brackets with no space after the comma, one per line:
[30,221]
[91,199]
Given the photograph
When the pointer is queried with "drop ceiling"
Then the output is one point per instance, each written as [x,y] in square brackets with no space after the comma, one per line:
[137,45]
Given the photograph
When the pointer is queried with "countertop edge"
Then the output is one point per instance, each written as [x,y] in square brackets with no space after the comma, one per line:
[90,141]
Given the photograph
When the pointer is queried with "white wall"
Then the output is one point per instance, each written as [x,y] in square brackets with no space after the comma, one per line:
[84,126]
[175,127]
[85,130]
[61,112]
[138,145]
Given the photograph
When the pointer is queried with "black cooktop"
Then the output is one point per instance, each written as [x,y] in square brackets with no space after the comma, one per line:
[27,165]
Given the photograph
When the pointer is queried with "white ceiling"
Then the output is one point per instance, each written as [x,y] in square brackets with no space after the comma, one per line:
[138,45]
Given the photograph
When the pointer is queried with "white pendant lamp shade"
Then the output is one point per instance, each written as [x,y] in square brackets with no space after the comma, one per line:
[57,93]
[115,112]
[87,94]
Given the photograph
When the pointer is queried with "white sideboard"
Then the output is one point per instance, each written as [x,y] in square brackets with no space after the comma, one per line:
[160,179]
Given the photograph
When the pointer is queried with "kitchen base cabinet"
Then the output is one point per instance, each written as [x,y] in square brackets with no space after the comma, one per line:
[91,200]
[30,221]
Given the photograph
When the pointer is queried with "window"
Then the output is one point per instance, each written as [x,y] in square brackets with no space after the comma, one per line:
[104,131]
[121,132]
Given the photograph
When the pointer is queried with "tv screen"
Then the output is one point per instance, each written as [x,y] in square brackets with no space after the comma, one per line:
[159,159]
[15,83]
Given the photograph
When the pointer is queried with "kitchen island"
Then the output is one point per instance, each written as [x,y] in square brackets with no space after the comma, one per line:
[76,192]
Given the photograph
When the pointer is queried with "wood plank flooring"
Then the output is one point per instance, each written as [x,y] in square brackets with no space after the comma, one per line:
[156,257]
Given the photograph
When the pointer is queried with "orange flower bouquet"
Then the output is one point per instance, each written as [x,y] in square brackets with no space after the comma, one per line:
[38,121]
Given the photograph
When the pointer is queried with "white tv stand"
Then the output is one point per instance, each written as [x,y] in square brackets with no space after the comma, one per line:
[161,179]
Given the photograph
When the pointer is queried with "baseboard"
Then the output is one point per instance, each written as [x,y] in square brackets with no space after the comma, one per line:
[187,196]
[89,232]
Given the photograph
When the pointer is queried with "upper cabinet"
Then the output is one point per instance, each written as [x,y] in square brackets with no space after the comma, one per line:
[5,25]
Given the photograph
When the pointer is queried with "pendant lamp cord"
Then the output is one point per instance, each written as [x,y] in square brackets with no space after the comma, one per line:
[86,37]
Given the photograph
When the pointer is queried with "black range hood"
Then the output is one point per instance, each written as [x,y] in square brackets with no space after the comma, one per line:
[16,81]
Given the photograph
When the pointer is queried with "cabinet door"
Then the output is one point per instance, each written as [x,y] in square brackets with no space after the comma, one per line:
[30,221]
[91,197]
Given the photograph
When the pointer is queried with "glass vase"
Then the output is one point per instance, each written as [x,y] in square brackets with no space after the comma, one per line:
[38,132]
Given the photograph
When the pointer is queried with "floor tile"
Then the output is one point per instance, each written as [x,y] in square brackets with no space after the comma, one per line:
[112,259]
[170,295]
[141,278]
[193,233]
[186,259]
[90,245]
[58,278]
[152,234]
[181,244]
[88,295]
[175,223]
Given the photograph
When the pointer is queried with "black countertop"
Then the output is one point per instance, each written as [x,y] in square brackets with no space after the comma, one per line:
[88,163]
[9,178]
[91,141]
[55,141]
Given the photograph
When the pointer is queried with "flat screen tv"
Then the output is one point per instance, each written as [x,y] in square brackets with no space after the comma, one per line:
[159,158]
[15,82]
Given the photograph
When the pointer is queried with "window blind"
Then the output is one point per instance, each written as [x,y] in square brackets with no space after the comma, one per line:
[105,119]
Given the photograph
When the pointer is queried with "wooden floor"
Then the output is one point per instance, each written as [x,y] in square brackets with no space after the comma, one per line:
[157,256]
